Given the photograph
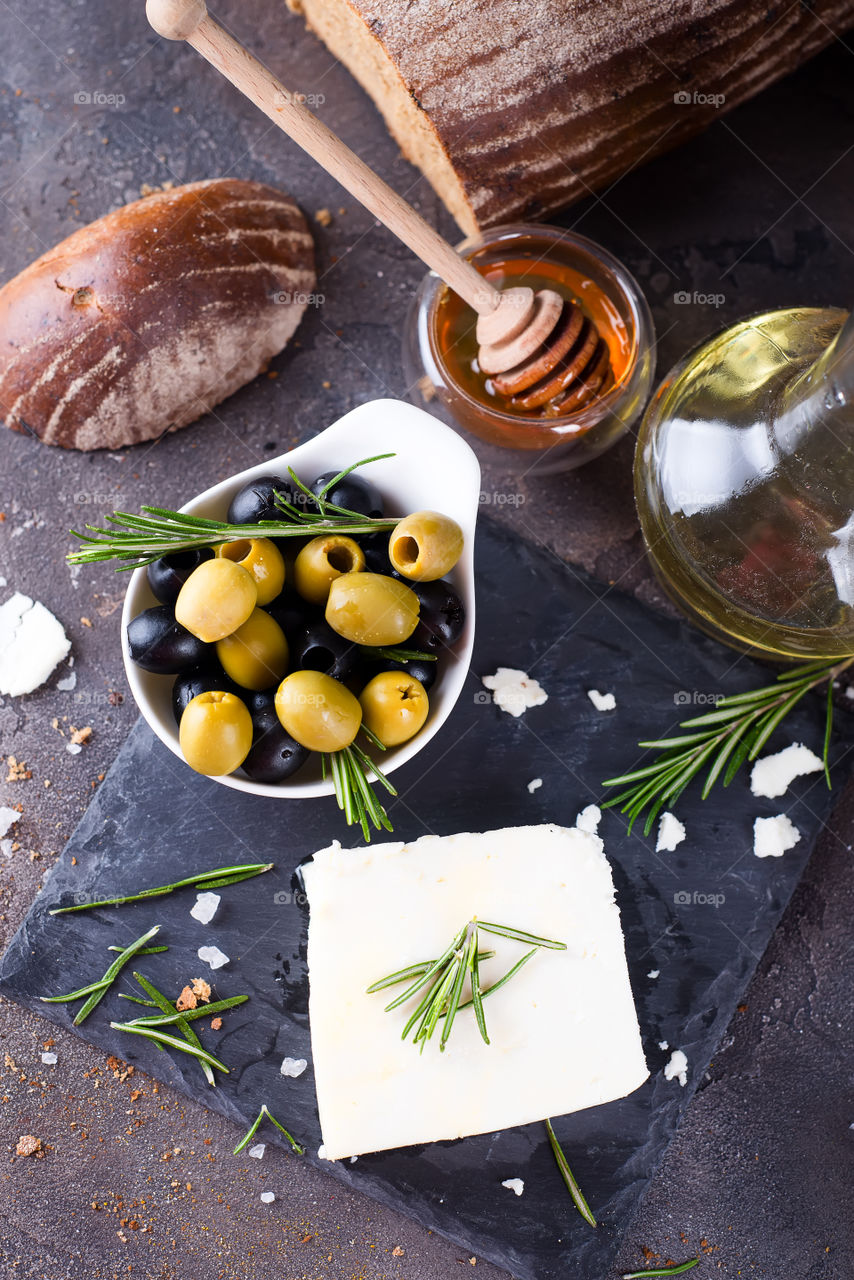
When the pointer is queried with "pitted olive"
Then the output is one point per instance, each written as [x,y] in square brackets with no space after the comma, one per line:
[255,656]
[323,560]
[263,559]
[216,599]
[317,711]
[425,546]
[215,733]
[369,608]
[394,707]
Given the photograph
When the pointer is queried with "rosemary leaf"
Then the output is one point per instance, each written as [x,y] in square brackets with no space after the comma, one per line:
[215,879]
[496,986]
[566,1173]
[253,1129]
[464,967]
[171,1042]
[676,1270]
[97,990]
[828,726]
[396,653]
[519,936]
[187,1015]
[412,971]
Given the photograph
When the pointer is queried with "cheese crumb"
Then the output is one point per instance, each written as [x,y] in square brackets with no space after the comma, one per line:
[773,836]
[293,1067]
[49,1059]
[32,644]
[588,820]
[267,1197]
[8,817]
[515,1185]
[515,691]
[602,701]
[677,1067]
[257,1152]
[534,785]
[213,956]
[653,973]
[205,908]
[773,775]
[662,1044]
[671,832]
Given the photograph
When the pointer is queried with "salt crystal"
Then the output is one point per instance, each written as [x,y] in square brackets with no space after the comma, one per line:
[73,748]
[48,1059]
[534,785]
[293,1067]
[677,1067]
[213,956]
[267,1197]
[514,1184]
[205,908]
[257,1152]
[653,973]
[602,701]
[67,683]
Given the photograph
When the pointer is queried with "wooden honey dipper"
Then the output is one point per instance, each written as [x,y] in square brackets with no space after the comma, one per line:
[539,350]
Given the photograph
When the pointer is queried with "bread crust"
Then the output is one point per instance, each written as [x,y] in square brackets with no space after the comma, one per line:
[143,321]
[515,108]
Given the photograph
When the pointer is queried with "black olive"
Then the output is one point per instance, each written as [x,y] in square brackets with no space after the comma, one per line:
[319,648]
[441,618]
[291,612]
[353,492]
[205,679]
[160,644]
[167,575]
[375,548]
[257,500]
[274,755]
[421,669]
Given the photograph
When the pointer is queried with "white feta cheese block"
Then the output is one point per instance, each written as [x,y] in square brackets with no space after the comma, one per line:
[564,1033]
[32,643]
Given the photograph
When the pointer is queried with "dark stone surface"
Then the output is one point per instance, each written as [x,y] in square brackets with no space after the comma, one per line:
[699,917]
[757,209]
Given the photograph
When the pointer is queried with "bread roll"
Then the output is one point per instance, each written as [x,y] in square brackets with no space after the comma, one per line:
[514,108]
[146,319]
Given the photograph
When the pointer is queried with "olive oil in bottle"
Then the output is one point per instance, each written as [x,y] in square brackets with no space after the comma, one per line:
[744,481]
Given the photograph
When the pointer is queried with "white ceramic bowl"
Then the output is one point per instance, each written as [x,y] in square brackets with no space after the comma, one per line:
[433,468]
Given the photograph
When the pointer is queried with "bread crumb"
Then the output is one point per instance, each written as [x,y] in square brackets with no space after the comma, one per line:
[87,622]
[216,1023]
[29,1145]
[323,217]
[79,736]
[18,771]
[201,989]
[186,1000]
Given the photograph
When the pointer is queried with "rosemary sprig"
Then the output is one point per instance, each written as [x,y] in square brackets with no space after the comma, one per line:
[722,739]
[442,981]
[250,1134]
[676,1270]
[569,1178]
[188,1015]
[350,769]
[216,879]
[162,1038]
[396,653]
[95,991]
[158,531]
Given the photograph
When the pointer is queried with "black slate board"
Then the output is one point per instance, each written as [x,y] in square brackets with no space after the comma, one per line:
[701,916]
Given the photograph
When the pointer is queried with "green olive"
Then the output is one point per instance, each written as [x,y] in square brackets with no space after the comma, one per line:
[323,560]
[369,608]
[394,707]
[216,599]
[425,546]
[260,557]
[317,711]
[256,654]
[215,733]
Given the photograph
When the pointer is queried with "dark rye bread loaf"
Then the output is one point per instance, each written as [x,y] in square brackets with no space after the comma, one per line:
[147,318]
[515,108]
